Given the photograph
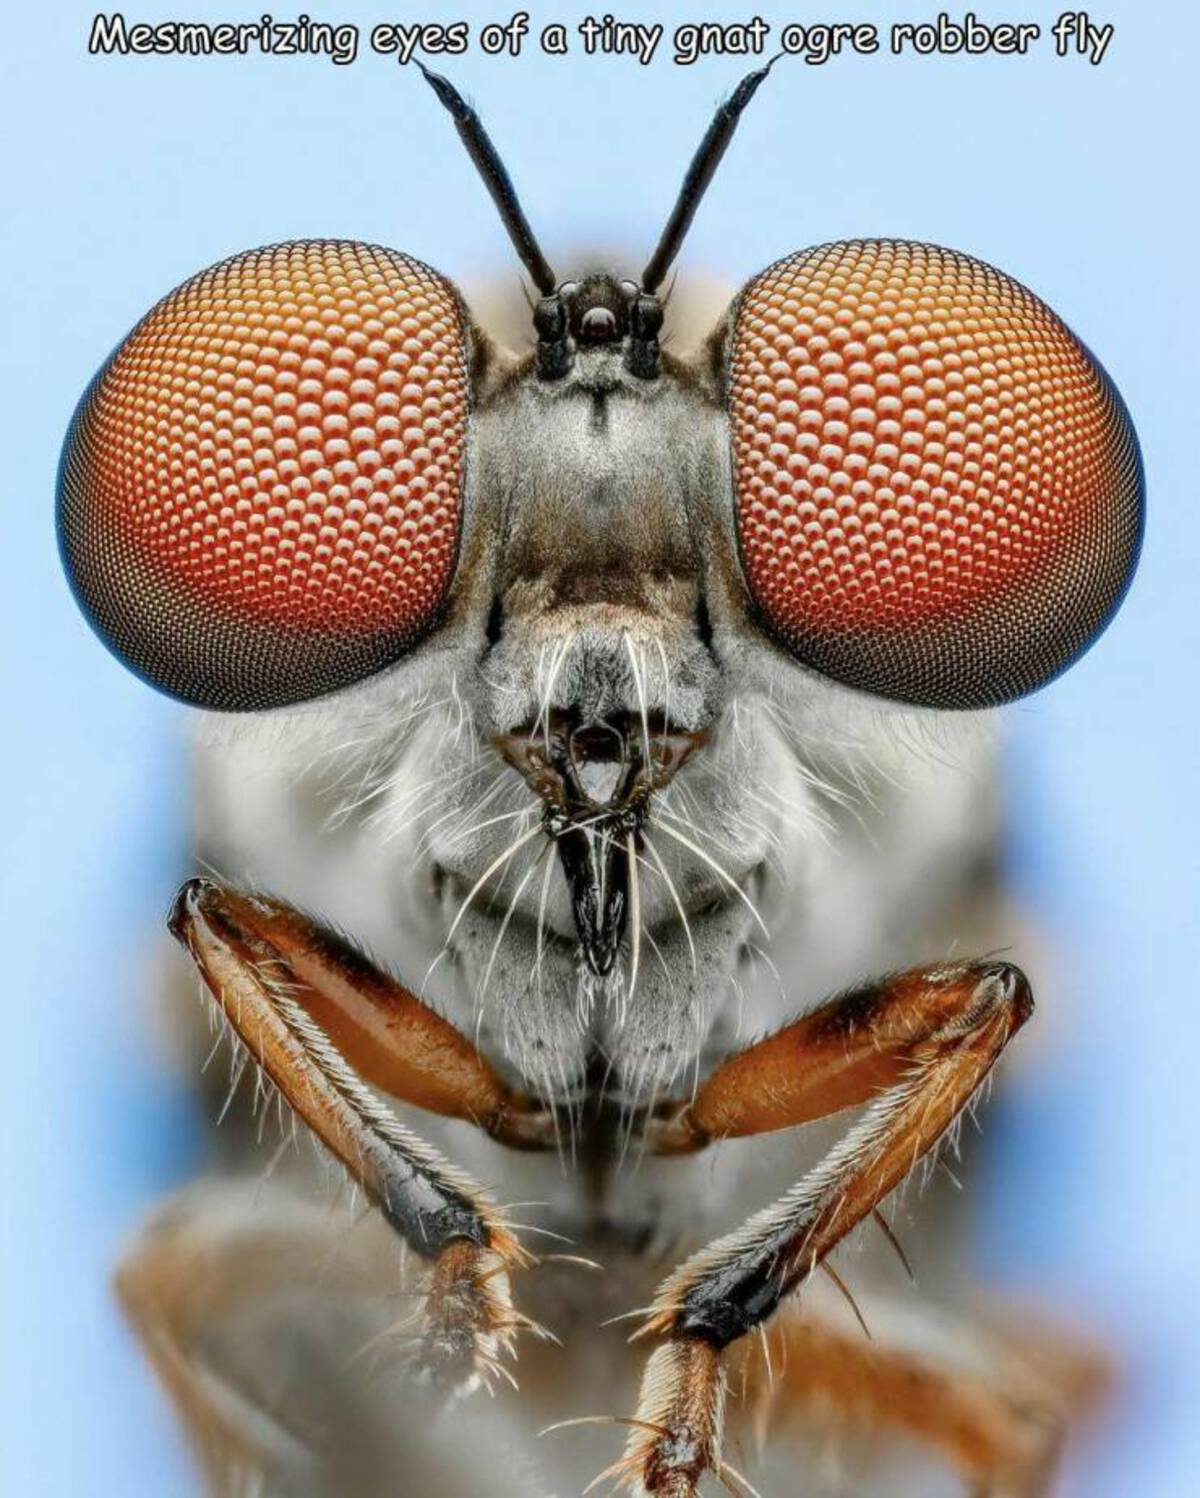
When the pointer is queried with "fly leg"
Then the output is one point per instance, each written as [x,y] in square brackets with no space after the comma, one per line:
[914,1047]
[282,1333]
[992,1403]
[325,1026]
[207,1287]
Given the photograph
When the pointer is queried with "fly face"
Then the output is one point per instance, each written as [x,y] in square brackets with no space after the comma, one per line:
[581,643]
[598,681]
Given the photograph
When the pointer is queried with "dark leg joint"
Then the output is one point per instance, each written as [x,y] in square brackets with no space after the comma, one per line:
[722,1310]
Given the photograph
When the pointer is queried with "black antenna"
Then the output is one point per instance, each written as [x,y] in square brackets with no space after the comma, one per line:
[497,181]
[699,174]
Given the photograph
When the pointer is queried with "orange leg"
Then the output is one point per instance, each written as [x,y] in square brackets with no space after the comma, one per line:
[993,1406]
[320,1021]
[915,1047]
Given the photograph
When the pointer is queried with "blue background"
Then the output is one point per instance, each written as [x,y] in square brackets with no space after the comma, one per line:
[123,177]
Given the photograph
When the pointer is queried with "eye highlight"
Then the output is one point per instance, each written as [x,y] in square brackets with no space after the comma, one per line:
[260,497]
[938,490]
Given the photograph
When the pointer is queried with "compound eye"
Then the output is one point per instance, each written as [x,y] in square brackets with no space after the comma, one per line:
[938,490]
[260,496]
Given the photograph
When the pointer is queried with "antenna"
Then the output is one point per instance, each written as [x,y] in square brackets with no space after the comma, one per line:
[496,179]
[699,174]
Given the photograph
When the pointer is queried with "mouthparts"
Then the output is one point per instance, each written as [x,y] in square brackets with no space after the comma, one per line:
[560,757]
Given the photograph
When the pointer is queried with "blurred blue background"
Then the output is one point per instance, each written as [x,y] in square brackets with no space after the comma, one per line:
[123,177]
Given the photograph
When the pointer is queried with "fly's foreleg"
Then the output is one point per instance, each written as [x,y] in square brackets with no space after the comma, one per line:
[914,1048]
[323,1023]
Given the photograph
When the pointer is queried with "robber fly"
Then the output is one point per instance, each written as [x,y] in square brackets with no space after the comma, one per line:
[591,693]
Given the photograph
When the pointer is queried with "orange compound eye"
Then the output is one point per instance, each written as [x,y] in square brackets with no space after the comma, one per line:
[260,497]
[938,490]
